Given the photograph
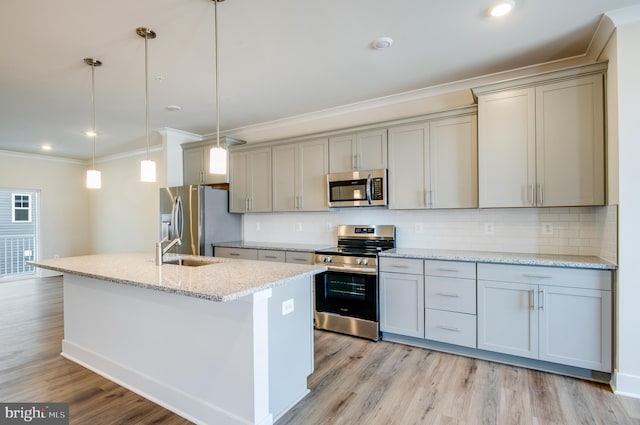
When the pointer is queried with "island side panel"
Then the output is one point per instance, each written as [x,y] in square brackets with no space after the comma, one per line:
[205,360]
[290,344]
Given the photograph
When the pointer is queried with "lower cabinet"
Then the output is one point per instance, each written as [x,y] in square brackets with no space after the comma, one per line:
[557,315]
[402,303]
[276,255]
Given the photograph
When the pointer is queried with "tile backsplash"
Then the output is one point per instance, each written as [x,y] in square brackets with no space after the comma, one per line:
[573,231]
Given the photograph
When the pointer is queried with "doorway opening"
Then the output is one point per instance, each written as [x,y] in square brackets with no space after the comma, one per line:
[19,219]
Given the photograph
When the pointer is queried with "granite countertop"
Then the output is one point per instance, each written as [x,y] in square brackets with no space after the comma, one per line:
[221,279]
[277,246]
[574,261]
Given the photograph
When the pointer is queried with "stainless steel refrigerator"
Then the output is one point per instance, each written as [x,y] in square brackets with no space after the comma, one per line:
[200,216]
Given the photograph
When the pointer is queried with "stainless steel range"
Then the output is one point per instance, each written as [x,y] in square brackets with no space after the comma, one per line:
[346,295]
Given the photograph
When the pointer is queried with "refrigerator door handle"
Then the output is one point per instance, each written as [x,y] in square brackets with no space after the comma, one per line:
[179,217]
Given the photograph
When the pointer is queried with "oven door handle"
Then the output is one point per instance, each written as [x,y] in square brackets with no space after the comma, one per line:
[368,188]
[362,270]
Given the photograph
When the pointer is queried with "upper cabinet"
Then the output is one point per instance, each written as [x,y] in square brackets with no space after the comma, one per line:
[195,166]
[433,164]
[365,150]
[250,180]
[299,170]
[541,141]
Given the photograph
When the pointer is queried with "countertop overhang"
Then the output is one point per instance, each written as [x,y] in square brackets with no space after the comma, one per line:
[550,260]
[220,280]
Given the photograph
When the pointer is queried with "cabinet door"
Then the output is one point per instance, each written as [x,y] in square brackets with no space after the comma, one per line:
[506,148]
[239,182]
[342,155]
[453,163]
[284,178]
[313,166]
[507,318]
[402,304]
[260,181]
[570,142]
[575,327]
[371,150]
[192,166]
[408,153]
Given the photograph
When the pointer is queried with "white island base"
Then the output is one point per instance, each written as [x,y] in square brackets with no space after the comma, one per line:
[239,362]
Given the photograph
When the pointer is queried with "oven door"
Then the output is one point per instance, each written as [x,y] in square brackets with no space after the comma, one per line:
[347,294]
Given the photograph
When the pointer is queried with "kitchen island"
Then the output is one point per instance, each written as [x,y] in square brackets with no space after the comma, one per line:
[219,341]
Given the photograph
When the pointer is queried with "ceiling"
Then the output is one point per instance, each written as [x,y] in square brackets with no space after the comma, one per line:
[278,59]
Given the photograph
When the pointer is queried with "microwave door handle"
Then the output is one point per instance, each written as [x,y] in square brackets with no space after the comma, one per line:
[368,189]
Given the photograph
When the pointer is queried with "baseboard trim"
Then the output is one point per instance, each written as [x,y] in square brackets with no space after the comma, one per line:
[625,384]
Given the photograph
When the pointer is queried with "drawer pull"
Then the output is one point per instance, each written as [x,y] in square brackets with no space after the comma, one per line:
[537,276]
[270,256]
[442,269]
[448,328]
[448,294]
[398,266]
[300,259]
[235,254]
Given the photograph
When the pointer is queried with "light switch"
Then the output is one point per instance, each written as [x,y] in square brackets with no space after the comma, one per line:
[287,307]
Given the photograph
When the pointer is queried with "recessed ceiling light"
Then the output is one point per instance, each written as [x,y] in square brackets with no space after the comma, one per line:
[174,108]
[46,147]
[502,8]
[90,133]
[382,43]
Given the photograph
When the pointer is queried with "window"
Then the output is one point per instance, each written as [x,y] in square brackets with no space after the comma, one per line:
[21,209]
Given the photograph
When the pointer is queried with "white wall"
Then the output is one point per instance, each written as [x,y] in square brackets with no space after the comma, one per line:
[64,201]
[576,231]
[627,377]
[124,213]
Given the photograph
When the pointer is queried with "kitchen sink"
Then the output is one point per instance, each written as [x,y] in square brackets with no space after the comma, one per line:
[190,262]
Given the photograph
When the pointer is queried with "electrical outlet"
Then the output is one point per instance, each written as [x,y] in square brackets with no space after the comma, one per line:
[298,227]
[257,227]
[419,228]
[287,307]
[547,229]
[489,228]
[328,227]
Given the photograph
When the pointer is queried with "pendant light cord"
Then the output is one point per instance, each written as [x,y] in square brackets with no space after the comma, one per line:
[93,114]
[146,87]
[215,14]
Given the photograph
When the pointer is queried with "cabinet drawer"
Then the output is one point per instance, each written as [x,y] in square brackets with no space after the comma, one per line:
[401,265]
[452,328]
[271,255]
[243,253]
[450,293]
[450,269]
[300,257]
[553,276]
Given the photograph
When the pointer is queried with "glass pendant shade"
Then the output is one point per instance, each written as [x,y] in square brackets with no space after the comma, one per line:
[94,180]
[218,160]
[147,171]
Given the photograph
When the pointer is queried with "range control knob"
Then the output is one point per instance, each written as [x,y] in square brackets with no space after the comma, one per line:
[359,261]
[365,261]
[329,259]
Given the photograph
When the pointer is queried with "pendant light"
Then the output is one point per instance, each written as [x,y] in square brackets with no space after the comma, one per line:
[218,154]
[147,167]
[93,175]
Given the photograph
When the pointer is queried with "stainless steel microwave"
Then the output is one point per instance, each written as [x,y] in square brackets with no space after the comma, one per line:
[366,188]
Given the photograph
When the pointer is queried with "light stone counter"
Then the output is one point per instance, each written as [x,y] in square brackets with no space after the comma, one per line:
[277,246]
[571,261]
[221,279]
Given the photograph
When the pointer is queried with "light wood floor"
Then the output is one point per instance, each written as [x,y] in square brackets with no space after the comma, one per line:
[355,382]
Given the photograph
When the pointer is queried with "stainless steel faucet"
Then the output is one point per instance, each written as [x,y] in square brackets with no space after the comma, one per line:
[161,251]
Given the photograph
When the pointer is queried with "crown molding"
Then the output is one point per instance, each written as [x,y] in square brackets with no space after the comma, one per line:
[40,157]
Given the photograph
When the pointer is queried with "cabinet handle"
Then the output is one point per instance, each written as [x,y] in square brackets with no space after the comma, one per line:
[300,259]
[537,276]
[246,204]
[429,197]
[235,254]
[533,195]
[300,202]
[532,299]
[448,294]
[541,200]
[250,204]
[448,328]
[270,256]
[442,269]
[354,162]
[398,266]
[541,300]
